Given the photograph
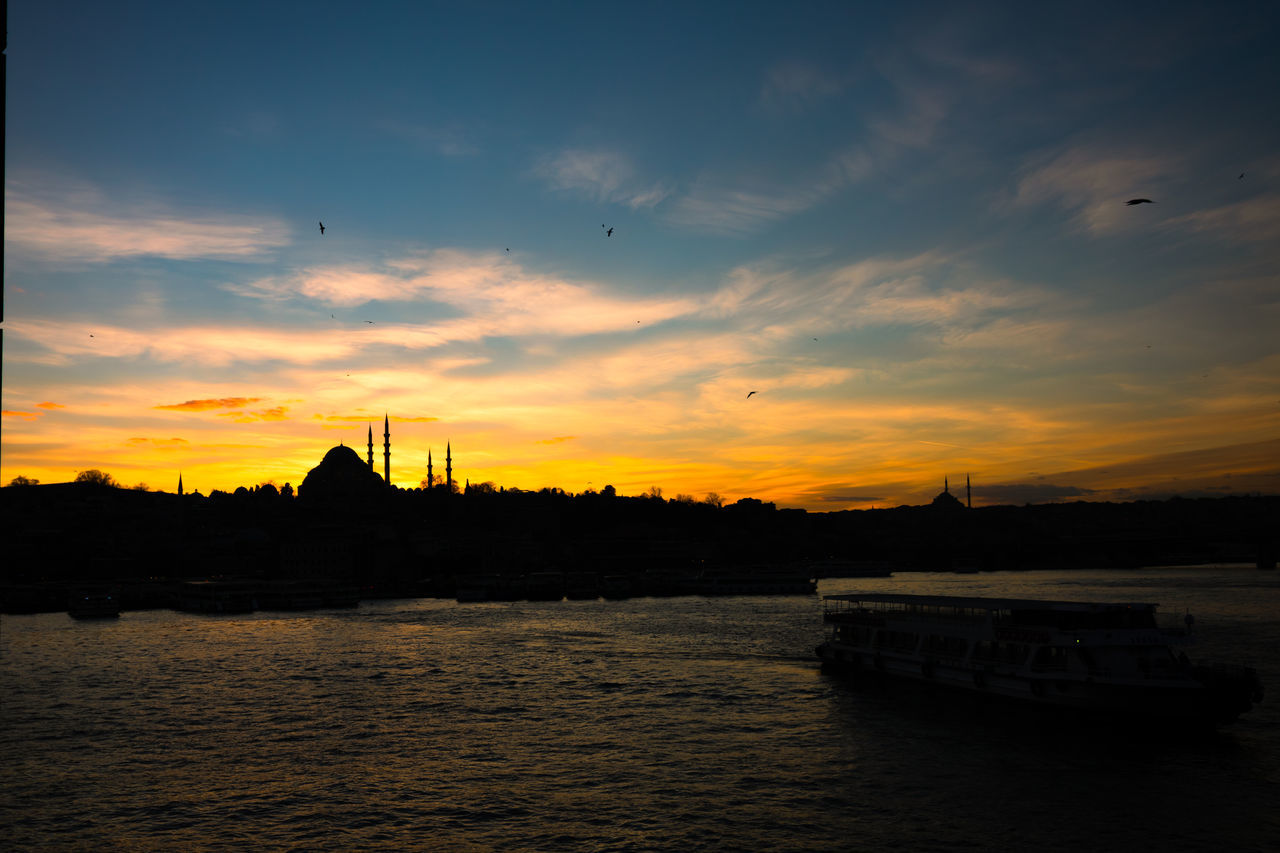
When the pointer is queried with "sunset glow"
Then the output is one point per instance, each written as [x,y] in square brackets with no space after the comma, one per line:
[909,239]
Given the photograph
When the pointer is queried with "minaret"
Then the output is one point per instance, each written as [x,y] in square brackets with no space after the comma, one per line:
[431,480]
[179,482]
[386,449]
[448,468]
[946,488]
[968,495]
[370,447]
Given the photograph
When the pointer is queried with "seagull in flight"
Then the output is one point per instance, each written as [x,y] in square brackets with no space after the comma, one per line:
[607,233]
[370,322]
[321,229]
[1134,201]
[749,394]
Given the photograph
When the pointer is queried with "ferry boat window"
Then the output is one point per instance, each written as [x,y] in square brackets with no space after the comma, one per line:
[898,640]
[1051,657]
[945,646]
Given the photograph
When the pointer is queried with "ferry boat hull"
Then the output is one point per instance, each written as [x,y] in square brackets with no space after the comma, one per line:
[1094,659]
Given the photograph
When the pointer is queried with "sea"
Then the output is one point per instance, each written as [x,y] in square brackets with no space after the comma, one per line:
[679,724]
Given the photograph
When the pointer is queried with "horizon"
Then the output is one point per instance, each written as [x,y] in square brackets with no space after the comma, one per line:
[824,260]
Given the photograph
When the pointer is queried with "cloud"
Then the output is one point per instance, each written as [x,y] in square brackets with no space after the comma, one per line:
[61,343]
[1023,493]
[1093,185]
[77,224]
[26,416]
[1255,220]
[447,140]
[793,87]
[557,440]
[873,293]
[204,405]
[275,413]
[738,211]
[489,296]
[737,205]
[50,406]
[158,442]
[915,124]
[370,418]
[605,176]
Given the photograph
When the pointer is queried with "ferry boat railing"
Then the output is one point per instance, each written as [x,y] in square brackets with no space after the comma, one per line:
[846,610]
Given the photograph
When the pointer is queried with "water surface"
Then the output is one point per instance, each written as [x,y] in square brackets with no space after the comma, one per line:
[649,724]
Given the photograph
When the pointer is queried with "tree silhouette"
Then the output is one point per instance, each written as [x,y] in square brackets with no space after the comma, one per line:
[23,481]
[97,478]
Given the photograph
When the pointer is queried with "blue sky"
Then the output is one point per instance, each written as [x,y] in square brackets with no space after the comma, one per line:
[904,227]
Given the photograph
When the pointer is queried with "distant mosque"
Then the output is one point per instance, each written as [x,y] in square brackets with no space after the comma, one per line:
[946,500]
[343,475]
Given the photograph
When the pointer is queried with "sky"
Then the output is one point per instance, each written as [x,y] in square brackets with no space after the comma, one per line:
[903,226]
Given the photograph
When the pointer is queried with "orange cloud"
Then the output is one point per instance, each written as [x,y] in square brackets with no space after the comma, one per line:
[557,440]
[276,413]
[369,418]
[26,416]
[50,406]
[201,405]
[157,442]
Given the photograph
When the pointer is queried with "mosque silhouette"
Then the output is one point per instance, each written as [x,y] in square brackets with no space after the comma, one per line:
[343,476]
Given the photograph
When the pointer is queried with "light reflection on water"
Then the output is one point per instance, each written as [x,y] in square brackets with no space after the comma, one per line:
[687,723]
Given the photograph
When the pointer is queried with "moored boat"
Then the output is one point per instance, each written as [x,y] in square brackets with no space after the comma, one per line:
[1090,657]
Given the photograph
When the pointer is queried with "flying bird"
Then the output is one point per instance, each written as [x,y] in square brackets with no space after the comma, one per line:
[1134,201]
[1241,178]
[749,394]
[607,233]
[370,322]
[321,229]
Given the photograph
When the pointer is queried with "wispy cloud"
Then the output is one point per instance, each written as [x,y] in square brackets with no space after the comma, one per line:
[205,405]
[447,140]
[275,413]
[1254,220]
[874,292]
[605,176]
[366,417]
[64,342]
[489,294]
[76,224]
[737,211]
[1093,184]
[158,442]
[792,87]
[738,205]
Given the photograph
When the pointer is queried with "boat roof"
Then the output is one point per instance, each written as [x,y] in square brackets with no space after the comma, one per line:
[986,603]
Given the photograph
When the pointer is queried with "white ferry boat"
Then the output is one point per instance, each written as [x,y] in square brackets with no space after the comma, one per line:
[1109,658]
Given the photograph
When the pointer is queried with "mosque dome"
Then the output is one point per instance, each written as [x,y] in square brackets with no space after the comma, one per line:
[341,476]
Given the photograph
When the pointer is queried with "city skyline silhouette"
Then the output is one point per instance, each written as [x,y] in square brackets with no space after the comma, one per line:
[910,237]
